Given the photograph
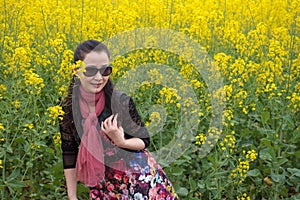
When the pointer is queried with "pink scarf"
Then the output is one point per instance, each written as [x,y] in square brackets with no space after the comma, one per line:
[90,164]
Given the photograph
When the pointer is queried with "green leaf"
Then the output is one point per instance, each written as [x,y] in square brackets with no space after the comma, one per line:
[8,148]
[212,160]
[13,175]
[253,173]
[20,140]
[182,191]
[294,171]
[177,171]
[193,184]
[266,142]
[278,178]
[281,161]
[264,154]
[201,185]
[16,184]
[265,117]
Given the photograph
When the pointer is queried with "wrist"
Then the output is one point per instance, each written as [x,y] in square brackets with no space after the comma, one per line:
[121,144]
[72,197]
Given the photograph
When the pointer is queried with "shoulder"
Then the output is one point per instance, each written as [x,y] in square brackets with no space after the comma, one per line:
[119,99]
[122,104]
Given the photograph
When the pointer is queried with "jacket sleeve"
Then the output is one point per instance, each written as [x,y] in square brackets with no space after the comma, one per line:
[140,132]
[69,144]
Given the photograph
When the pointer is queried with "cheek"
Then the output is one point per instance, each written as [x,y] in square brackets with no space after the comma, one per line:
[84,80]
[106,79]
[80,76]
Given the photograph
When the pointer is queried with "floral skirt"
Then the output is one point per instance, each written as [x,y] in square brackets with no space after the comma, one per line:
[143,179]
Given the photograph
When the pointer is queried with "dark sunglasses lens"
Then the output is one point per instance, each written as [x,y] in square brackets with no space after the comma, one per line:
[106,71]
[90,71]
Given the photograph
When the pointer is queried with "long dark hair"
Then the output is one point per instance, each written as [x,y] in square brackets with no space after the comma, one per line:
[71,103]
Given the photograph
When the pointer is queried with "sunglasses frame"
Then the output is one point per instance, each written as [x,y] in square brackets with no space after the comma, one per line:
[101,70]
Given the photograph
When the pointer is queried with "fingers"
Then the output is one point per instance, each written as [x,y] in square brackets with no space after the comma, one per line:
[110,127]
[110,123]
[115,121]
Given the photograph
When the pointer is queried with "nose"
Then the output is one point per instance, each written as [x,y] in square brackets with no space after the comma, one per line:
[98,76]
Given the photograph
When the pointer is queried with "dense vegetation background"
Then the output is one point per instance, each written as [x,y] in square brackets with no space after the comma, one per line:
[255,48]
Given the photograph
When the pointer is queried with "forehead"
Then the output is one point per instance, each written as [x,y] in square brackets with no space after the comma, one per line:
[96,58]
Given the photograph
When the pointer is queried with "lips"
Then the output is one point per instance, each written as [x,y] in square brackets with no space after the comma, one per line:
[97,85]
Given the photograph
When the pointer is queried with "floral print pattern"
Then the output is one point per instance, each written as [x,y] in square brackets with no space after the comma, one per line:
[143,179]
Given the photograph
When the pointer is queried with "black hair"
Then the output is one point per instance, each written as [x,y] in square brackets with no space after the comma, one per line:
[88,46]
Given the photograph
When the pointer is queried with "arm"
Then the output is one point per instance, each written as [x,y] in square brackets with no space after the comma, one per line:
[71,179]
[116,134]
[136,136]
[69,147]
[132,144]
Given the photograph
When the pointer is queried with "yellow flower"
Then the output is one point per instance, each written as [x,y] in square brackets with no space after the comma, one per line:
[34,146]
[2,91]
[55,112]
[57,139]
[2,127]
[33,80]
[244,197]
[16,104]
[30,126]
[155,117]
[200,138]
[252,155]
[170,95]
[2,87]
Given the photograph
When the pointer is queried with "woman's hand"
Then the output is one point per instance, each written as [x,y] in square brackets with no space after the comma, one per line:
[116,133]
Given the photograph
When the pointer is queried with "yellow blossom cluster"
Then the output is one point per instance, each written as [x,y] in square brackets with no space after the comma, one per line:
[200,138]
[54,113]
[2,127]
[33,82]
[65,72]
[57,139]
[16,104]
[2,91]
[251,154]
[240,173]
[169,95]
[254,45]
[28,126]
[244,197]
[155,77]
[145,85]
[229,142]
[210,139]
[154,118]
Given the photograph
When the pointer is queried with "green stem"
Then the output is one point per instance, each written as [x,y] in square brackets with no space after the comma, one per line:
[290,61]
[81,22]
[44,20]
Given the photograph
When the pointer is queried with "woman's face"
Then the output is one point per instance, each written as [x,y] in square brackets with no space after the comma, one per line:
[94,84]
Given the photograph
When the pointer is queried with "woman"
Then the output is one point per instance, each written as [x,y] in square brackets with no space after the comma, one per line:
[103,138]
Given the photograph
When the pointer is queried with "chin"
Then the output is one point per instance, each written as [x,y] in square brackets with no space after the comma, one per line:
[96,90]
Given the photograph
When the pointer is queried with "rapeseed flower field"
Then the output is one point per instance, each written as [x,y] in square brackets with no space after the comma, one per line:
[233,125]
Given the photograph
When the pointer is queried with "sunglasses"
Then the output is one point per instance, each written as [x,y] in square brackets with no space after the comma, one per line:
[92,70]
